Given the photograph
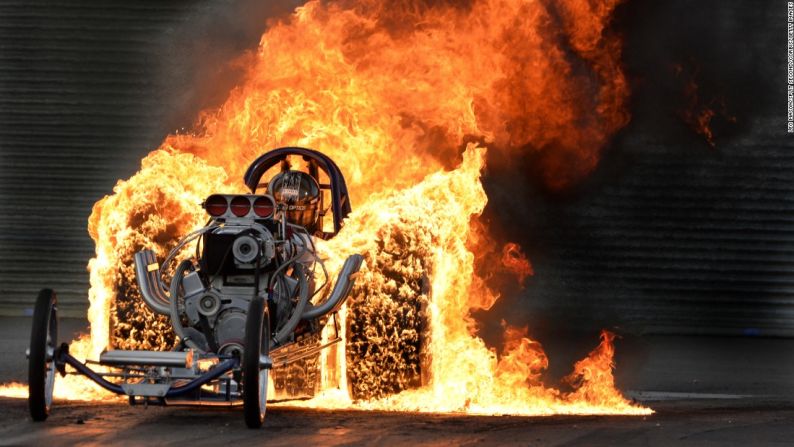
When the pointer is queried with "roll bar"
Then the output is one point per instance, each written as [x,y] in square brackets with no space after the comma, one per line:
[340,200]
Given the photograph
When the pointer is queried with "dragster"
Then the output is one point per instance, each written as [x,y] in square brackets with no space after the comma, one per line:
[242,305]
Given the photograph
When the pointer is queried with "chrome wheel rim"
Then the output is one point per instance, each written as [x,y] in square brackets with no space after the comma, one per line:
[49,362]
[263,376]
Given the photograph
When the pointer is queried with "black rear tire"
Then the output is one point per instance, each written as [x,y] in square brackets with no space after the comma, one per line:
[41,364]
[255,378]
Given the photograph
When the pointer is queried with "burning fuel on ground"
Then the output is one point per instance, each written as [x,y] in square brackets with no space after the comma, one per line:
[407,97]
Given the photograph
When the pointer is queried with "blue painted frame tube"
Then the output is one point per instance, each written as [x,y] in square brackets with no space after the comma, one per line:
[219,370]
[88,372]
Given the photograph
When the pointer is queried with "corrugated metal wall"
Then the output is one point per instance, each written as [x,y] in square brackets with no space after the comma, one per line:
[672,235]
[681,239]
[79,107]
[696,243]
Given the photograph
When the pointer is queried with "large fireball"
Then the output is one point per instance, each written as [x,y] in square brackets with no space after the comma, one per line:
[405,96]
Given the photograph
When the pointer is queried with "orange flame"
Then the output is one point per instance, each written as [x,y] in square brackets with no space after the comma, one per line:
[393,90]
[523,361]
[698,113]
[515,261]
[593,374]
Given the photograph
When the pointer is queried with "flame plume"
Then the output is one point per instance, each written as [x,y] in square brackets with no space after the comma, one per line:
[393,91]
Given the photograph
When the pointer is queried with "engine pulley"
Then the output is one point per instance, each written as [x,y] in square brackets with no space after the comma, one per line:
[209,304]
[245,249]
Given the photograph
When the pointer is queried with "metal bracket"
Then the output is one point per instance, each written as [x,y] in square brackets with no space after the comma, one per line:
[145,389]
[59,359]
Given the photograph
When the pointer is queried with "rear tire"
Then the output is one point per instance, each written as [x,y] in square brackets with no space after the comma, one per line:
[255,378]
[41,364]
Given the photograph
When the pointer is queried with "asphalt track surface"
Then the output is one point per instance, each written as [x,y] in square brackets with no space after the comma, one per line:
[706,392]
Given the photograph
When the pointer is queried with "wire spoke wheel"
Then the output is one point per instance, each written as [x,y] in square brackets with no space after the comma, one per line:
[41,361]
[255,376]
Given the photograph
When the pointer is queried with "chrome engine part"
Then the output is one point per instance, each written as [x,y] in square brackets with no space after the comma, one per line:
[241,257]
[230,329]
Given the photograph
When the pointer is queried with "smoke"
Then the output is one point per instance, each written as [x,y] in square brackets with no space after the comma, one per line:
[729,47]
[205,57]
[737,61]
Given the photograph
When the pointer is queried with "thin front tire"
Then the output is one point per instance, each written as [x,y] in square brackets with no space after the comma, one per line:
[255,376]
[41,361]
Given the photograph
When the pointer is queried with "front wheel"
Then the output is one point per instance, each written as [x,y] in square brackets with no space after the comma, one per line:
[255,369]
[41,361]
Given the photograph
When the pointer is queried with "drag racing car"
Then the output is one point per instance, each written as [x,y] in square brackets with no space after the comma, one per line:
[243,304]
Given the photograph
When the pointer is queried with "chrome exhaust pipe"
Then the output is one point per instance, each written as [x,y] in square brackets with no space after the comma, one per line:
[176,359]
[147,274]
[297,314]
[344,284]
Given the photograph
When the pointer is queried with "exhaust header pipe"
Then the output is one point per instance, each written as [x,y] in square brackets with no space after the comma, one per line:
[344,284]
[147,274]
